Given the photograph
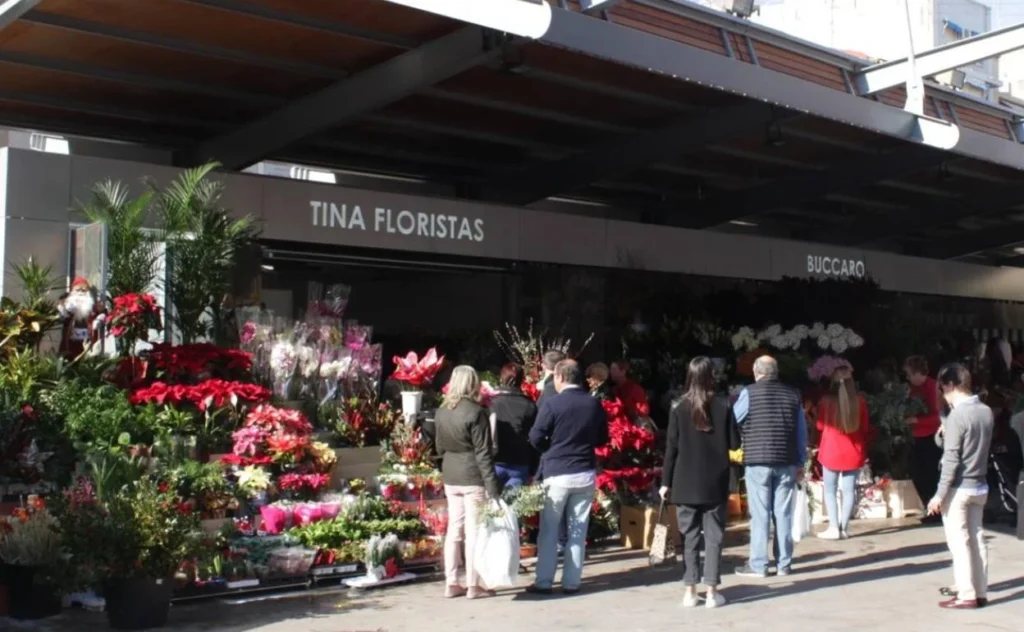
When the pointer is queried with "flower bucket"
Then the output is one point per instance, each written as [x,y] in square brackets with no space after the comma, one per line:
[275,518]
[137,604]
[26,598]
[307,514]
[412,402]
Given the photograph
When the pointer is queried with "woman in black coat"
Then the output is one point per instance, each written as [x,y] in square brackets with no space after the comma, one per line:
[695,477]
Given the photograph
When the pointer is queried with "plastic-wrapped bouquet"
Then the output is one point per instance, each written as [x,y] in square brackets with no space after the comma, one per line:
[825,366]
[383,557]
[284,360]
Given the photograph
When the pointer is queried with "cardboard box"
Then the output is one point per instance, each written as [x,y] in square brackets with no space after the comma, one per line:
[903,499]
[636,526]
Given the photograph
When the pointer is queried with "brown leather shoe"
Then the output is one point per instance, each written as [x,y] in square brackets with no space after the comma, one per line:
[957,604]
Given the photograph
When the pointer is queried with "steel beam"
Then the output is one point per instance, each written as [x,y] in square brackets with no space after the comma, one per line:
[11,10]
[139,79]
[245,7]
[973,242]
[982,200]
[363,93]
[650,53]
[955,55]
[626,153]
[180,46]
[850,175]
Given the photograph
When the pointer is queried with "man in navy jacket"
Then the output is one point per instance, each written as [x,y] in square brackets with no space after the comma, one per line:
[569,427]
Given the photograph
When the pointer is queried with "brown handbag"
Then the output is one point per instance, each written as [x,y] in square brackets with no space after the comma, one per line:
[663,547]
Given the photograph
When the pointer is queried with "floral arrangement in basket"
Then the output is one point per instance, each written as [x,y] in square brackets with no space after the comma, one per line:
[833,338]
[383,557]
[407,465]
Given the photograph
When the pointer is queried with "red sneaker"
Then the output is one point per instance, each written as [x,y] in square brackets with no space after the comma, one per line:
[957,604]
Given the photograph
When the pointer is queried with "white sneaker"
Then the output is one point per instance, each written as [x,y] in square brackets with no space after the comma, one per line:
[691,601]
[832,533]
[844,535]
[715,601]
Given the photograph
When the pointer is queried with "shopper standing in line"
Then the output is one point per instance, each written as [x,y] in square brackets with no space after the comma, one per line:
[924,459]
[569,428]
[702,430]
[963,487]
[547,381]
[774,430]
[463,443]
[512,416]
[845,428]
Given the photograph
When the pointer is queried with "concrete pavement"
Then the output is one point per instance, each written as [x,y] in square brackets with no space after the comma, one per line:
[885,577]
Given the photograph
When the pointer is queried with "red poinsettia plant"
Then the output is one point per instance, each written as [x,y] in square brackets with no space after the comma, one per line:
[133,315]
[629,461]
[418,372]
[209,394]
[198,361]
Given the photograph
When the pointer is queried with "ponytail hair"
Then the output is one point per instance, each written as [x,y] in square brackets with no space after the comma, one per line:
[846,417]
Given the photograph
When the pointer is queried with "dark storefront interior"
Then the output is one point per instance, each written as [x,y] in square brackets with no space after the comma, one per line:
[416,300]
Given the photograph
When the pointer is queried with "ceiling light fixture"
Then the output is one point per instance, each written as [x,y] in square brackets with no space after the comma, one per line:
[740,222]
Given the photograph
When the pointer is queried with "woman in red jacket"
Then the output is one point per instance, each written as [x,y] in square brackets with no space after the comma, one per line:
[844,427]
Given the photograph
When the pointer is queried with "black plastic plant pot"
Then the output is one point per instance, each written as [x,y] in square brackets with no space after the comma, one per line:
[27,598]
[137,604]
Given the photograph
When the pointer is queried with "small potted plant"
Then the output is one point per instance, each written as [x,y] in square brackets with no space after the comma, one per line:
[31,555]
[132,543]
[416,373]
[383,557]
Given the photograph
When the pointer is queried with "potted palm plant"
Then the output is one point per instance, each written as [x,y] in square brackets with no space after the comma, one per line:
[131,544]
[31,555]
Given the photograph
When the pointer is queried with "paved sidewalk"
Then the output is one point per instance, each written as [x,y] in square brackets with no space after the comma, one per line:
[886,577]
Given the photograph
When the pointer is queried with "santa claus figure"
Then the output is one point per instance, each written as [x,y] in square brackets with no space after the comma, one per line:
[83,319]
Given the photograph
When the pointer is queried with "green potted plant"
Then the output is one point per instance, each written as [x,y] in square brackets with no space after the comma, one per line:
[31,555]
[131,543]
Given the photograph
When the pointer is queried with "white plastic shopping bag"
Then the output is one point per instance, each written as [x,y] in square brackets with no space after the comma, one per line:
[801,513]
[496,553]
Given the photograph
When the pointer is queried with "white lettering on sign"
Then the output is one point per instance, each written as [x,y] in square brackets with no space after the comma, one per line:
[834,266]
[401,222]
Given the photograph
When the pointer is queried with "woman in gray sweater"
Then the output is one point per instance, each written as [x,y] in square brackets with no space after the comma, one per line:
[963,489]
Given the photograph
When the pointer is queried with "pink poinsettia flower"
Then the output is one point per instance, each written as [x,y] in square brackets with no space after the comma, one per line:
[417,371]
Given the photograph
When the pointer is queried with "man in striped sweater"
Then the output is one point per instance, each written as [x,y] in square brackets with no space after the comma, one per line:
[771,418]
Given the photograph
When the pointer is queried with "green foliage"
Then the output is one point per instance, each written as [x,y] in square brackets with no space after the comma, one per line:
[890,451]
[203,242]
[132,251]
[24,324]
[99,415]
[335,534]
[137,532]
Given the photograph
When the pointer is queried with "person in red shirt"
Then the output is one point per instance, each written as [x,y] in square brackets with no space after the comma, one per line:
[632,395]
[925,457]
[845,429]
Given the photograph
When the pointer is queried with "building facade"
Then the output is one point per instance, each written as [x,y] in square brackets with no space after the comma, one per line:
[878,28]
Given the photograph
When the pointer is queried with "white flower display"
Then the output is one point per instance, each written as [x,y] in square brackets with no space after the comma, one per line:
[833,337]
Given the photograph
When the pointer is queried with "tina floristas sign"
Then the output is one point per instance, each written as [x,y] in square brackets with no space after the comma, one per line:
[379,219]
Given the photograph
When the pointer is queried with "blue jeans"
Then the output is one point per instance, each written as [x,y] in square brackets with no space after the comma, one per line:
[770,495]
[512,475]
[848,482]
[571,505]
